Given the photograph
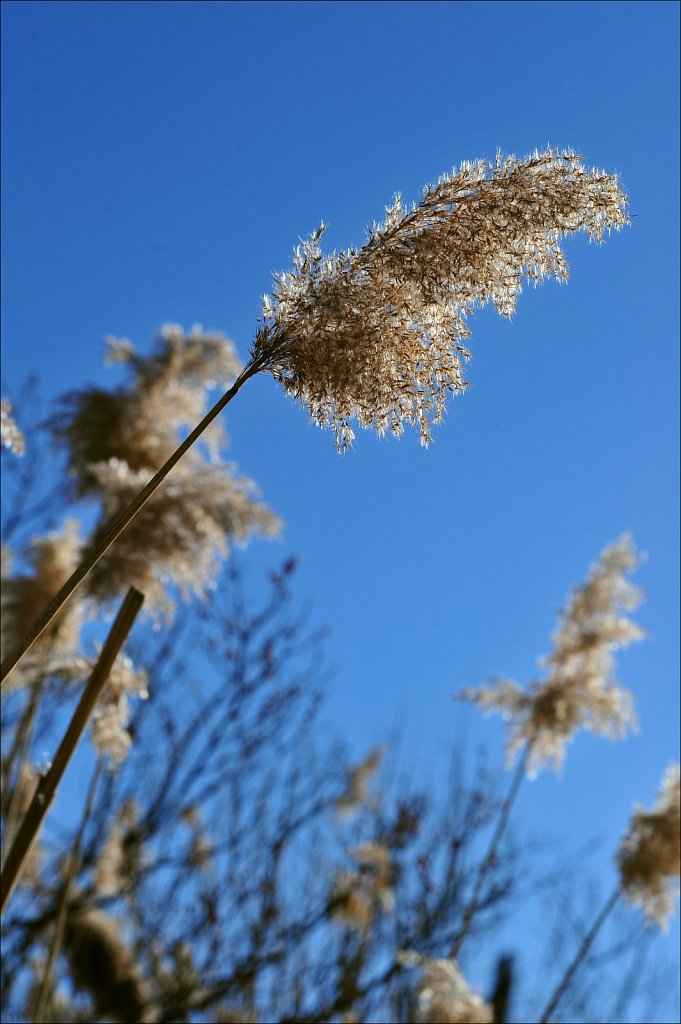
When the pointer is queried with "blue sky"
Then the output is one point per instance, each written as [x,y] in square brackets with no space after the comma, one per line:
[162,159]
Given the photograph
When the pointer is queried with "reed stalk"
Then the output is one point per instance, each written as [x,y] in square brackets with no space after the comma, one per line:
[120,523]
[47,787]
[581,953]
[487,863]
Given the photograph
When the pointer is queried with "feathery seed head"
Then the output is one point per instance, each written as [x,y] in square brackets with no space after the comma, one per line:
[10,435]
[580,690]
[358,896]
[443,995]
[139,422]
[101,963]
[650,852]
[120,857]
[24,597]
[179,534]
[117,440]
[378,334]
[356,794]
[110,718]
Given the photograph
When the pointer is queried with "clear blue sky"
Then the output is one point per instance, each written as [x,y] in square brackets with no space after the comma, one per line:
[162,159]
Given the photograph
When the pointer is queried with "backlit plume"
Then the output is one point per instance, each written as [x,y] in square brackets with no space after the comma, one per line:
[139,422]
[10,435]
[53,559]
[649,856]
[116,440]
[580,690]
[181,534]
[103,966]
[357,793]
[109,722]
[379,334]
[443,995]
[361,895]
[119,859]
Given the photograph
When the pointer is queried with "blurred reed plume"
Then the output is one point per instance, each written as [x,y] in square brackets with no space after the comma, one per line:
[51,561]
[138,422]
[10,435]
[442,993]
[649,862]
[357,793]
[176,544]
[115,440]
[367,891]
[580,690]
[102,965]
[181,535]
[650,853]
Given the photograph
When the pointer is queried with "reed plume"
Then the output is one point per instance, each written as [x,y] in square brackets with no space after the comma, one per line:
[102,965]
[379,334]
[580,690]
[11,436]
[442,993]
[51,561]
[649,856]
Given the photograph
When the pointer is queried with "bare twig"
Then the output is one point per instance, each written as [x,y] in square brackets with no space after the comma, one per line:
[64,897]
[488,862]
[584,948]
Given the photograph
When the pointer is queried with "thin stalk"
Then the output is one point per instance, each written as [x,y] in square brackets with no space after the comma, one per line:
[47,787]
[64,897]
[121,521]
[587,942]
[487,863]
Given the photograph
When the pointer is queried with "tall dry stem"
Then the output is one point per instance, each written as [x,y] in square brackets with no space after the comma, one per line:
[117,526]
[47,787]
